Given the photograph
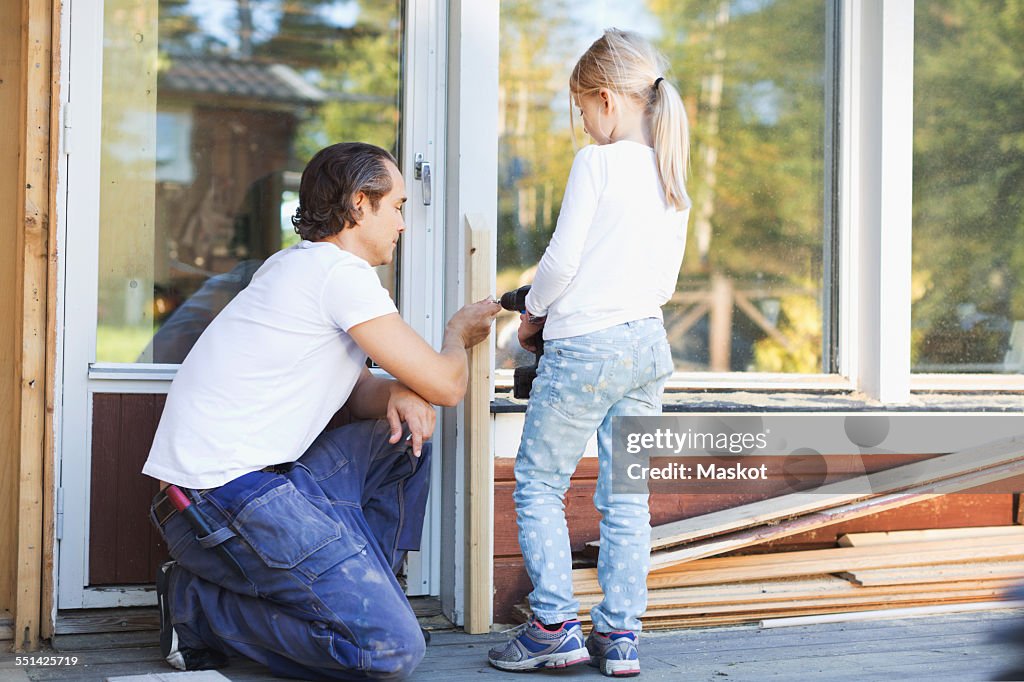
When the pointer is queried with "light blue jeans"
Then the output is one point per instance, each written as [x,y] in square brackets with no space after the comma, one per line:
[582,383]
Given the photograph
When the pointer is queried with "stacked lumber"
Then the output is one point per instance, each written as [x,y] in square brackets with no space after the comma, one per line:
[936,568]
[689,585]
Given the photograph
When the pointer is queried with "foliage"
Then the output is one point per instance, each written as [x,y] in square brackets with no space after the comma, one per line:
[968,206]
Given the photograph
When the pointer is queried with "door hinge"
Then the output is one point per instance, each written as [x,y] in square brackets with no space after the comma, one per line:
[59,520]
[67,128]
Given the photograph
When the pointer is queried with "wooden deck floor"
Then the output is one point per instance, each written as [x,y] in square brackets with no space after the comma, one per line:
[950,647]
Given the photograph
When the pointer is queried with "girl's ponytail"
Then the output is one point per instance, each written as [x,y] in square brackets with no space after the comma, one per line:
[626,63]
[671,135]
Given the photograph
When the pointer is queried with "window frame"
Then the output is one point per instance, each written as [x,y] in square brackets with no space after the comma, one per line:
[868,216]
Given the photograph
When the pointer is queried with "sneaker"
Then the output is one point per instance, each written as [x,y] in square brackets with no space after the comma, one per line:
[616,653]
[534,648]
[179,657]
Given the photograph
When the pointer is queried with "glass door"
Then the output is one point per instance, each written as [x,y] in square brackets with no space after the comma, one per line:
[188,127]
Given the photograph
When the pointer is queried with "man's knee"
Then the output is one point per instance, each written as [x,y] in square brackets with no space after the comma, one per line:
[396,657]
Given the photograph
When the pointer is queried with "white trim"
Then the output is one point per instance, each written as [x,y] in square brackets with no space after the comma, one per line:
[882,149]
[423,262]
[62,43]
[80,377]
[849,254]
[734,381]
[77,342]
[472,188]
[967,382]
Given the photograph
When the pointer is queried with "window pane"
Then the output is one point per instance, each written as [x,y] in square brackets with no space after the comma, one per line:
[752,74]
[968,294]
[210,111]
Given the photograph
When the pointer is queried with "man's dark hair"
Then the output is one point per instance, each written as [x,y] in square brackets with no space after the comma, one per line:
[330,182]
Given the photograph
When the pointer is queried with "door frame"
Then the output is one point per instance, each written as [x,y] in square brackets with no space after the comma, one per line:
[79,377]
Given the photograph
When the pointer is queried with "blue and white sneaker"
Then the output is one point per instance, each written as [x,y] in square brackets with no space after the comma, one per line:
[535,648]
[615,654]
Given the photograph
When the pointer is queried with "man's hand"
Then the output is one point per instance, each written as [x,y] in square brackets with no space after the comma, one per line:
[405,405]
[528,332]
[472,322]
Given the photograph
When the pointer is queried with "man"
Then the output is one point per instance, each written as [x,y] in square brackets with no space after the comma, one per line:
[296,567]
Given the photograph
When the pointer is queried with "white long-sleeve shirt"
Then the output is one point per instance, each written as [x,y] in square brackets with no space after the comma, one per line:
[617,248]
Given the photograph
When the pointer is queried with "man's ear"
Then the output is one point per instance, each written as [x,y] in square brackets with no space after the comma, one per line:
[360,200]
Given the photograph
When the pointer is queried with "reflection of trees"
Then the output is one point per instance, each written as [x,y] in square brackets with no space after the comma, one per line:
[533,100]
[752,75]
[968,180]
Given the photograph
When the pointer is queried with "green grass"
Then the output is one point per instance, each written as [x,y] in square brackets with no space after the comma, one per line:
[121,344]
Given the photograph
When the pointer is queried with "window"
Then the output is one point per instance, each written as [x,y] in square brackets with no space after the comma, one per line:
[210,111]
[754,292]
[968,234]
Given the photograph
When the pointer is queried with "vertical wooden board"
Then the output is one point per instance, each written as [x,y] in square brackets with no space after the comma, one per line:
[479,458]
[134,490]
[103,488]
[11,65]
[33,224]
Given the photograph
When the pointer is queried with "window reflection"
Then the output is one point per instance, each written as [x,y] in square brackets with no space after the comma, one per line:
[968,238]
[210,110]
[752,75]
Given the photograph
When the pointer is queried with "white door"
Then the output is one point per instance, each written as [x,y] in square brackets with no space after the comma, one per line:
[186,125]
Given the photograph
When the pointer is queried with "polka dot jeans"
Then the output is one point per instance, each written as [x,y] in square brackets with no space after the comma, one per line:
[582,383]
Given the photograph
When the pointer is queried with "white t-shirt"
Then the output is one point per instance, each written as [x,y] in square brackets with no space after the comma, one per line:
[617,248]
[271,370]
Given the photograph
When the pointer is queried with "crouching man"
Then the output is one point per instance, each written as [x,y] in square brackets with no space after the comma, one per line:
[306,531]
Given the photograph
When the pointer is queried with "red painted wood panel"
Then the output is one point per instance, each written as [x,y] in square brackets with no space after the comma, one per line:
[124,548]
[511,584]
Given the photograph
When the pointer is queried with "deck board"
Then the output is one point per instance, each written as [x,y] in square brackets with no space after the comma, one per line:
[950,646]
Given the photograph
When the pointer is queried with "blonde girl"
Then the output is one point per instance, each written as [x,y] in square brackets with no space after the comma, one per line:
[612,262]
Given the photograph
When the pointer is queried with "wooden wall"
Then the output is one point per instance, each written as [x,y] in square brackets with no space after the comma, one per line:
[11,67]
[27,331]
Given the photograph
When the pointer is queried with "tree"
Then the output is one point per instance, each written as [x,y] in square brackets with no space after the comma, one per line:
[968,241]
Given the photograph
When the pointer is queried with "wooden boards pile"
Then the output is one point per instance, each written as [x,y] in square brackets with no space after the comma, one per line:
[690,585]
[870,573]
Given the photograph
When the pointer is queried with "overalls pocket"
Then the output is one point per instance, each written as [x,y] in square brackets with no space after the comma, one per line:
[287,531]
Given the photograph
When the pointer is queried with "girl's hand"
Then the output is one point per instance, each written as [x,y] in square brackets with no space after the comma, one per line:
[528,332]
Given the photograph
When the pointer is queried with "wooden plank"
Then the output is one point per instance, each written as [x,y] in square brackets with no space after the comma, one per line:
[898,536]
[974,570]
[790,564]
[107,620]
[817,588]
[32,244]
[894,613]
[479,459]
[48,605]
[834,494]
[754,536]
[667,622]
[11,76]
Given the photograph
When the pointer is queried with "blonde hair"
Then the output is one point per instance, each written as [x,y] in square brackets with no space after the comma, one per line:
[622,61]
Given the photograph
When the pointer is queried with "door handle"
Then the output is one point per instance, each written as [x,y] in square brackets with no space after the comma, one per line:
[422,173]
